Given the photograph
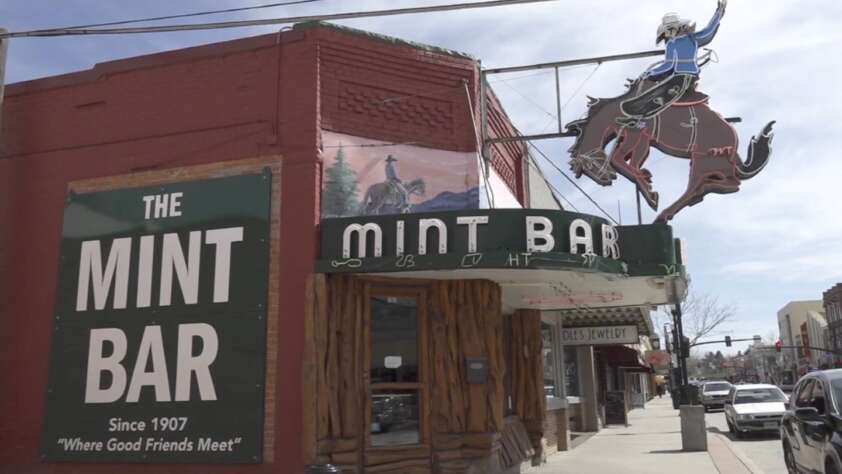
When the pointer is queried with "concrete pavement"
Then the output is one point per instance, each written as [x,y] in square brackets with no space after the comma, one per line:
[651,444]
[763,449]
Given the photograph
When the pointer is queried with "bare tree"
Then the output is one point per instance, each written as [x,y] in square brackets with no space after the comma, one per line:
[701,314]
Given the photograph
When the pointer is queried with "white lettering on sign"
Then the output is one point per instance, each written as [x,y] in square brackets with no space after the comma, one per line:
[222,239]
[151,345]
[539,228]
[424,225]
[91,271]
[174,262]
[97,364]
[610,246]
[172,258]
[539,237]
[587,336]
[362,236]
[585,239]
[471,222]
[159,206]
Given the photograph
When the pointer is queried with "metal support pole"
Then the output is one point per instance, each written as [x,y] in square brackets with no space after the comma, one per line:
[483,118]
[639,215]
[4,47]
[558,101]
[680,329]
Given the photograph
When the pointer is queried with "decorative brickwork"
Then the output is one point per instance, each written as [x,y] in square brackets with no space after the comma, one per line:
[394,109]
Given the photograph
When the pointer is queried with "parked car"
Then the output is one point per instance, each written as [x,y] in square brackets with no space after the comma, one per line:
[811,431]
[754,407]
[714,394]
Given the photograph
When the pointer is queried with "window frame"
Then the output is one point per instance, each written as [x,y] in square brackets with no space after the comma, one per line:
[559,400]
[420,386]
[818,389]
[796,394]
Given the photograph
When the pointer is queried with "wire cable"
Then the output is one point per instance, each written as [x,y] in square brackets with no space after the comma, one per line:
[489,193]
[579,89]
[184,15]
[572,181]
[551,185]
[267,21]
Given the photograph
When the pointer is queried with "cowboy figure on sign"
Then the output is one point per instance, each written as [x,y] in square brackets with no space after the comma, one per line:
[661,109]
[675,77]
[393,179]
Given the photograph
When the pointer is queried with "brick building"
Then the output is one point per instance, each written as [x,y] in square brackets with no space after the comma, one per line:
[832,300]
[324,346]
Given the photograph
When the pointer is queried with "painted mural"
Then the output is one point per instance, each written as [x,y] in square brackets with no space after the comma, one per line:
[370,177]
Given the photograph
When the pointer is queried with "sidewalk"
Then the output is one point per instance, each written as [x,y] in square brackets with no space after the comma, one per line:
[651,444]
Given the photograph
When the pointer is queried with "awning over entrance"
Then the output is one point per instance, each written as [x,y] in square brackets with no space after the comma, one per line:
[622,357]
[542,259]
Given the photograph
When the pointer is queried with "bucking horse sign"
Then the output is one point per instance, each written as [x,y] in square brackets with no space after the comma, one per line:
[663,109]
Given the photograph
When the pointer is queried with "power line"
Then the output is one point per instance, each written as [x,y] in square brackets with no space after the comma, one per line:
[184,15]
[572,181]
[268,21]
[579,89]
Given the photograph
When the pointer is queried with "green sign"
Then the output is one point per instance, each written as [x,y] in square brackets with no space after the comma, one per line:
[159,343]
[495,239]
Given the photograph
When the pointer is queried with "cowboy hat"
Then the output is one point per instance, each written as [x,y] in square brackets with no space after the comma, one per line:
[671,21]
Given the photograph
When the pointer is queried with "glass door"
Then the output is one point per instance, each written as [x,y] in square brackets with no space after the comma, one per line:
[397,373]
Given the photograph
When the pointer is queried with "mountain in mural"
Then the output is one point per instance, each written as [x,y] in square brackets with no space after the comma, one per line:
[449,201]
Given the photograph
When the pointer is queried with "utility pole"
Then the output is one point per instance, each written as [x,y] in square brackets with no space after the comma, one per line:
[4,47]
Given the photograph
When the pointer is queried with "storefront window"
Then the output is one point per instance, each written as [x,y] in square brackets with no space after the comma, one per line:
[395,373]
[394,340]
[571,373]
[394,417]
[547,337]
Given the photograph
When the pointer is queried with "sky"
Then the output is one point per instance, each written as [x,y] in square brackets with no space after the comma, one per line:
[775,241]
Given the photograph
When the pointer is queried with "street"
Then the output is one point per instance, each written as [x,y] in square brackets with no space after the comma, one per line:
[763,449]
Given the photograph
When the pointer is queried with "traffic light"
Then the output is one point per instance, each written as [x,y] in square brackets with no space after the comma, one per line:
[778,345]
[685,347]
[728,341]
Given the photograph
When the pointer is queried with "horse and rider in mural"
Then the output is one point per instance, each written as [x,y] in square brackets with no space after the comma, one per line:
[391,196]
[663,109]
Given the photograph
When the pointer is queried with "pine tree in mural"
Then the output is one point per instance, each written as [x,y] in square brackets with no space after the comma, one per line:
[340,193]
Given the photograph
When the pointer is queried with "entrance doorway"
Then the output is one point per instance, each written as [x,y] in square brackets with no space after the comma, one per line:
[397,407]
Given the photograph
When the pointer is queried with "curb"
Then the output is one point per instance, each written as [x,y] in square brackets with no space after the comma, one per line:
[728,458]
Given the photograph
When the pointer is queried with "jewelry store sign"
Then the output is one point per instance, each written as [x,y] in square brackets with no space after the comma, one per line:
[599,335]
[159,340]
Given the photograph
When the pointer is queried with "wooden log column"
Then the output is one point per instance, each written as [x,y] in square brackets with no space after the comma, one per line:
[334,380]
[528,374]
[466,418]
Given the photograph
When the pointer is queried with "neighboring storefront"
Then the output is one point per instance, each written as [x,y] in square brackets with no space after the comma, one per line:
[284,250]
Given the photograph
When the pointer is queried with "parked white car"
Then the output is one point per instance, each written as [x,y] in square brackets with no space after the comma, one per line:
[714,394]
[754,407]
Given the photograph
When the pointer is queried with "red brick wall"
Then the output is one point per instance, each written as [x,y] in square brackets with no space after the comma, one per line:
[241,99]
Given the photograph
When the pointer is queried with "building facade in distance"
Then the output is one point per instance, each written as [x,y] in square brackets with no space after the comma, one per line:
[792,318]
[832,301]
